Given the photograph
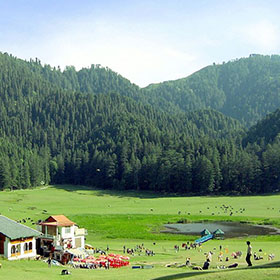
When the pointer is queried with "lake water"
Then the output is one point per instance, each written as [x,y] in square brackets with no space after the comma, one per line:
[231,229]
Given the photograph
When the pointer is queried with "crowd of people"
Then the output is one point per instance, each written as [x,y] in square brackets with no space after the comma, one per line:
[220,258]
[107,260]
[139,250]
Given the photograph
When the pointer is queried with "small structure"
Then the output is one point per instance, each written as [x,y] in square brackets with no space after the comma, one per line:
[219,234]
[205,232]
[17,241]
[59,233]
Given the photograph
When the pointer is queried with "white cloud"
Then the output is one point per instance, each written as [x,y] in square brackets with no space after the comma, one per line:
[147,43]
[141,59]
[263,35]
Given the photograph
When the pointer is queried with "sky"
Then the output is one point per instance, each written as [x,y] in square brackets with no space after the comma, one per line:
[146,41]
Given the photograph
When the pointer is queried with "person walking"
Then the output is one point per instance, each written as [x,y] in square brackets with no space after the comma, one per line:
[249,253]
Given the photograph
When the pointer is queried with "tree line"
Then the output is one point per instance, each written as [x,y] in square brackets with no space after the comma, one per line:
[53,130]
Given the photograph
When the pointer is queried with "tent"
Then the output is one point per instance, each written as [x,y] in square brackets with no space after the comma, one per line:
[219,234]
[205,232]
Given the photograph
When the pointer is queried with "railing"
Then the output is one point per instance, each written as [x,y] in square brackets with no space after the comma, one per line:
[50,236]
[56,238]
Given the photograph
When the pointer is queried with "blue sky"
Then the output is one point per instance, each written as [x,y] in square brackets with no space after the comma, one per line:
[145,41]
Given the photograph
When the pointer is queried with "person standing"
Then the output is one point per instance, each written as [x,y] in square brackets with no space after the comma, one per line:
[209,256]
[249,253]
[49,262]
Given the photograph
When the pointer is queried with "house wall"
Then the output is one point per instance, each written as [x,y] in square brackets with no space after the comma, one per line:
[2,241]
[6,247]
[25,248]
[68,235]
[67,232]
[80,242]
[51,230]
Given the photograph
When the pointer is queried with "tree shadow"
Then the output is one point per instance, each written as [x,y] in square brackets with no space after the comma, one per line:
[183,275]
[117,193]
[196,273]
[141,194]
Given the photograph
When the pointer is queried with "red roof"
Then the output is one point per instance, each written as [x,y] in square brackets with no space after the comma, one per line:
[58,220]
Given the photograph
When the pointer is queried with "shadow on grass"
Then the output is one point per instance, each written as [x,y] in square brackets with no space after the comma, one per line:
[144,194]
[196,273]
[117,193]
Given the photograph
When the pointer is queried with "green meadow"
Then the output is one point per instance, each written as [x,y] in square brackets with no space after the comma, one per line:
[129,218]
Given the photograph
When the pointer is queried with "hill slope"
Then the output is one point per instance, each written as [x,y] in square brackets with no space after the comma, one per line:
[94,127]
[246,89]
[51,131]
[265,131]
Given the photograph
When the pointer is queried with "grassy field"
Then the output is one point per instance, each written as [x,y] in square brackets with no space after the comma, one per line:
[128,218]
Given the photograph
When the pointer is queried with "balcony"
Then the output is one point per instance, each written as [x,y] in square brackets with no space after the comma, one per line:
[80,232]
[56,238]
[49,236]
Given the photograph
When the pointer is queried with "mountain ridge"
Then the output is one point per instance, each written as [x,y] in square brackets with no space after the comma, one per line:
[94,127]
[236,88]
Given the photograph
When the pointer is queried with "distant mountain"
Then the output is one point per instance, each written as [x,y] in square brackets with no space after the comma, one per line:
[245,89]
[95,80]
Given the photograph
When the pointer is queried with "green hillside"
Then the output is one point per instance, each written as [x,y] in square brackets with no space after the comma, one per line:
[94,127]
[246,89]
[264,138]
[265,131]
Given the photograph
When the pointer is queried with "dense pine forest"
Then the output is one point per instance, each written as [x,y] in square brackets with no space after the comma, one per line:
[215,131]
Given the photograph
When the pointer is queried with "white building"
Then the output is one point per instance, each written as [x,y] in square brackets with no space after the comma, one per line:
[59,233]
[17,241]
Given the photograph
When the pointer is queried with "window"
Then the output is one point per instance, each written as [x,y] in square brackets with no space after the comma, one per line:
[25,247]
[13,249]
[18,248]
[30,246]
[67,229]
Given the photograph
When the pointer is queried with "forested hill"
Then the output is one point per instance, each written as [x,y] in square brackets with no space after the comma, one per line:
[265,131]
[94,127]
[95,80]
[246,89]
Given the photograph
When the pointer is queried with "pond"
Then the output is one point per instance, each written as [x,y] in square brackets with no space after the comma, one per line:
[231,229]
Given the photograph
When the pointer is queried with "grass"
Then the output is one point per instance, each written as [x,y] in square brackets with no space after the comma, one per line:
[130,218]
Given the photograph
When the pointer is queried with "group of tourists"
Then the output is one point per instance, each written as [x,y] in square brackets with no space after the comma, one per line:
[138,250]
[235,255]
[189,245]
